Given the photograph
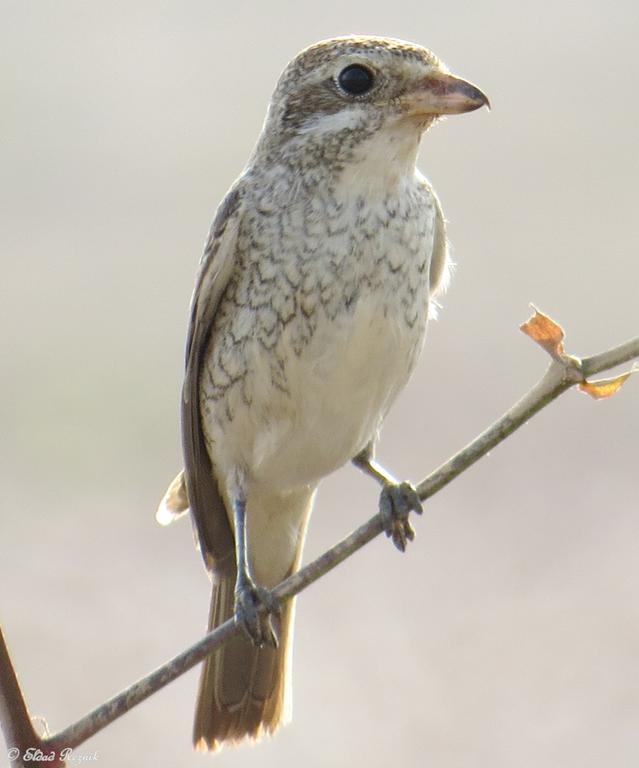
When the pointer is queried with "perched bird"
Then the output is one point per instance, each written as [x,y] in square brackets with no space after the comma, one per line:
[307,319]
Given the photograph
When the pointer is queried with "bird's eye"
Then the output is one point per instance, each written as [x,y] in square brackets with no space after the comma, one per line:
[355,80]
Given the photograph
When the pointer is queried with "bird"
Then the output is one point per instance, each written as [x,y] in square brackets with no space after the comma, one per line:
[321,269]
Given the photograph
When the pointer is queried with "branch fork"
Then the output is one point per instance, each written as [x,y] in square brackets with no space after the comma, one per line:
[550,336]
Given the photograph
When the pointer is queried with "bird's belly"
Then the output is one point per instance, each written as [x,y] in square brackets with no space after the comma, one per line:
[339,388]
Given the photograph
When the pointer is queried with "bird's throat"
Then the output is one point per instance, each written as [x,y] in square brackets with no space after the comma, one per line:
[384,162]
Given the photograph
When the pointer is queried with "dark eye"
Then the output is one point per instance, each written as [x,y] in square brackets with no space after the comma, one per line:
[355,80]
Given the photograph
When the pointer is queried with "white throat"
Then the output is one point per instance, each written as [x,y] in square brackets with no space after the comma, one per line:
[385,161]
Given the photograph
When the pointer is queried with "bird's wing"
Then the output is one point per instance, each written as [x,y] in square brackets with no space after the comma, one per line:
[205,501]
[439,264]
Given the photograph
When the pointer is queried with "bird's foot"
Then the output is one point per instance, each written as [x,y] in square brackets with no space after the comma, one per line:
[396,502]
[254,609]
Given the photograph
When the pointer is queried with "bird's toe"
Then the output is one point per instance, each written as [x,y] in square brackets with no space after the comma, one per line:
[396,502]
[254,609]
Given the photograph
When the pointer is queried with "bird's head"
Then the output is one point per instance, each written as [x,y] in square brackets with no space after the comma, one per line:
[339,92]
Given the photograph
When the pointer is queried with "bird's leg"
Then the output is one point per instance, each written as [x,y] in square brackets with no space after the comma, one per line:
[396,500]
[253,604]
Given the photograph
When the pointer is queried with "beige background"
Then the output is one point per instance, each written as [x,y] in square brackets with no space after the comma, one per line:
[509,634]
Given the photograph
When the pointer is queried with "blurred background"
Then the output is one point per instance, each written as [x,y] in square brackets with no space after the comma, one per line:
[508,635]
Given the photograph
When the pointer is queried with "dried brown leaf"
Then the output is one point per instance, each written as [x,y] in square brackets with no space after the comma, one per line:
[602,388]
[546,332]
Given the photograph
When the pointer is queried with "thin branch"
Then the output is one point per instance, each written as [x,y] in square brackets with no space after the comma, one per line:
[14,717]
[564,372]
[611,358]
[554,382]
[136,693]
[17,728]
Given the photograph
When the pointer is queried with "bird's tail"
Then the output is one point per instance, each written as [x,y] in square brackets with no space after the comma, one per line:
[245,691]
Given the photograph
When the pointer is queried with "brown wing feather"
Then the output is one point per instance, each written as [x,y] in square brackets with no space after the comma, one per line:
[206,503]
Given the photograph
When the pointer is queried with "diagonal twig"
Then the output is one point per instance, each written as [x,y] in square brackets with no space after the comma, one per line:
[564,372]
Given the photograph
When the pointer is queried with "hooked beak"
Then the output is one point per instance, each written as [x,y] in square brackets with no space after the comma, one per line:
[441,93]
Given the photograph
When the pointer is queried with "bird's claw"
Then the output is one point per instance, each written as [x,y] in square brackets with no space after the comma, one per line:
[254,609]
[396,502]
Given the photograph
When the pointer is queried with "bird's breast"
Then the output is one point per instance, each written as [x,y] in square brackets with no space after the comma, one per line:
[317,335]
